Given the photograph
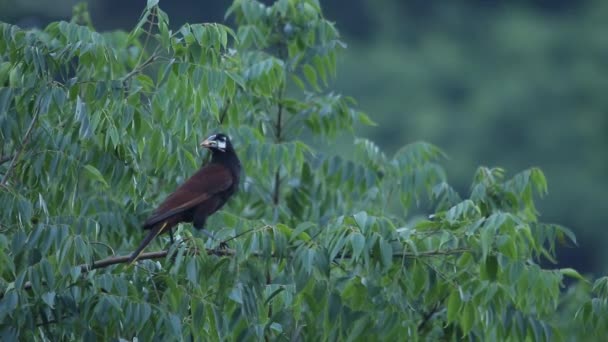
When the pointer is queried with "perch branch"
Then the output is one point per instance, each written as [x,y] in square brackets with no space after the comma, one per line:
[150,255]
[123,259]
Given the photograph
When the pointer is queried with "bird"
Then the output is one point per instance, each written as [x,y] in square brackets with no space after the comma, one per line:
[204,193]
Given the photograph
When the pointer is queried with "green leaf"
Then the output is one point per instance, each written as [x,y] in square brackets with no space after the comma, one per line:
[151,3]
[300,231]
[8,303]
[366,120]
[563,232]
[361,219]
[467,318]
[572,273]
[453,306]
[357,242]
[311,76]
[94,174]
[491,267]
[386,250]
[298,81]
[49,299]
[274,294]
[192,271]
[5,99]
[284,229]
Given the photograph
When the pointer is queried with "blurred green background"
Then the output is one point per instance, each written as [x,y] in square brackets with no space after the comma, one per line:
[496,83]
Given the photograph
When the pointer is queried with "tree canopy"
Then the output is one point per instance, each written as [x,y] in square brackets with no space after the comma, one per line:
[97,128]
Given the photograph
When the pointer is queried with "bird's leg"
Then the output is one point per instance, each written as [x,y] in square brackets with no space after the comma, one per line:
[171,236]
[206,232]
[210,235]
[223,245]
[171,244]
[199,224]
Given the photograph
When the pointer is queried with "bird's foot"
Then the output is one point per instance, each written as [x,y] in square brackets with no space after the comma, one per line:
[209,235]
[223,244]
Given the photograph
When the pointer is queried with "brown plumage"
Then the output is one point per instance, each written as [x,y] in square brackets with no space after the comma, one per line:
[201,195]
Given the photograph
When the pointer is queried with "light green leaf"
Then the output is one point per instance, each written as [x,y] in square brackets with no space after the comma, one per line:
[366,120]
[386,249]
[94,174]
[453,306]
[357,242]
[151,3]
[49,298]
[467,318]
[572,273]
[361,219]
[491,267]
[311,76]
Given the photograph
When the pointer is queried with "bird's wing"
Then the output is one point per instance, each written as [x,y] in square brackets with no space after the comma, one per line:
[205,183]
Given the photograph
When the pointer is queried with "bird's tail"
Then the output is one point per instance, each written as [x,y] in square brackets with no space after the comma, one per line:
[151,235]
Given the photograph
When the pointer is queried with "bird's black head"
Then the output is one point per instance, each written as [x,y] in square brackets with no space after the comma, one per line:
[218,143]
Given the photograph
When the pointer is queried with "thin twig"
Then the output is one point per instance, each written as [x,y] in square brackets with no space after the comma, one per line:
[151,23]
[24,142]
[243,233]
[144,256]
[224,112]
[139,68]
[277,185]
[426,317]
[278,139]
[105,245]
[4,159]
[279,123]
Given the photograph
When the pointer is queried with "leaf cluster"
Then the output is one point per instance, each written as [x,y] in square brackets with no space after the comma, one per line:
[98,127]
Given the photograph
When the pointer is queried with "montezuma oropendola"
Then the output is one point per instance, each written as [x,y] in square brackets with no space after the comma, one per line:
[201,195]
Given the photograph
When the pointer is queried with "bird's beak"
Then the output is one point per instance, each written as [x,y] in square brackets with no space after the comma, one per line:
[208,143]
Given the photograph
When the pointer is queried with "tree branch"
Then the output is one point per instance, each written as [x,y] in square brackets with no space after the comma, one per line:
[16,156]
[282,46]
[122,259]
[278,139]
[277,185]
[231,252]
[150,255]
[276,192]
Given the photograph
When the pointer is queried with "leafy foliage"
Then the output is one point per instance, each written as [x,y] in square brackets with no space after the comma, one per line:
[98,127]
[430,80]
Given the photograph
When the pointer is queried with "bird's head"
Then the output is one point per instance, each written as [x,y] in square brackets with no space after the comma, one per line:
[217,142]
